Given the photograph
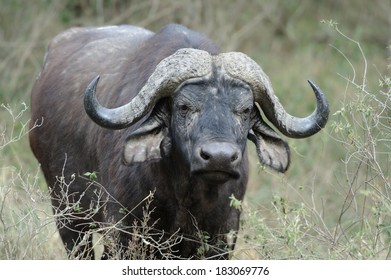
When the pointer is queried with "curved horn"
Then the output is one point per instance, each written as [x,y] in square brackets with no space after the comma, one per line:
[240,66]
[168,75]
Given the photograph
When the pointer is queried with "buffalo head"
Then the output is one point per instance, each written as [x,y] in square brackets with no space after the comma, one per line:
[204,108]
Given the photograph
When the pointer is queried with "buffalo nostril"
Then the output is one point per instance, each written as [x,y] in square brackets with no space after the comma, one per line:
[219,153]
[204,155]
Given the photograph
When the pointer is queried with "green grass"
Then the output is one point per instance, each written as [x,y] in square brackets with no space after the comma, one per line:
[335,200]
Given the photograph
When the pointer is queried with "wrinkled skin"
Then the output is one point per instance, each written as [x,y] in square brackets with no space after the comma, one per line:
[209,125]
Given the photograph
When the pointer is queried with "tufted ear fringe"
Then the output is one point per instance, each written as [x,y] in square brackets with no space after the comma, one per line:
[272,150]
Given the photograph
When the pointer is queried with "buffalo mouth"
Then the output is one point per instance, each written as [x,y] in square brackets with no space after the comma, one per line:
[216,176]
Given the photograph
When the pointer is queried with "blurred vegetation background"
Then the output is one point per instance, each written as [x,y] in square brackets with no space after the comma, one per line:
[334,202]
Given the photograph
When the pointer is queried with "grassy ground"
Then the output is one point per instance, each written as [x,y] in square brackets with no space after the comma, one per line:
[333,203]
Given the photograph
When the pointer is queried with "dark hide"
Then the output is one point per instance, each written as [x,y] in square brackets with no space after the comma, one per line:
[189,151]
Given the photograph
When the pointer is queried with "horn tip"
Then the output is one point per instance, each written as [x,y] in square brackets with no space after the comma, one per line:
[323,106]
[313,85]
[92,85]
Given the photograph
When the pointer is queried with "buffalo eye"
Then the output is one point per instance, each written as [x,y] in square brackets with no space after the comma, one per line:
[244,112]
[183,109]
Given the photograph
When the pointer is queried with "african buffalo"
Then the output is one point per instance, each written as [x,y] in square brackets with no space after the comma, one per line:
[166,141]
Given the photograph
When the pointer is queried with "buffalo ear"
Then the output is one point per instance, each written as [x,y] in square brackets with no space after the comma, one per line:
[150,141]
[272,150]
